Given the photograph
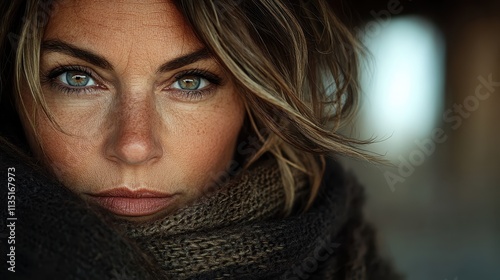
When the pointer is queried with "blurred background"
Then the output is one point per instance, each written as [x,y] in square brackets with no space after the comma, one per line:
[431,97]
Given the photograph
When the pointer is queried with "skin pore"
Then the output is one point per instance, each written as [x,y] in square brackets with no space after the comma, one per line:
[143,106]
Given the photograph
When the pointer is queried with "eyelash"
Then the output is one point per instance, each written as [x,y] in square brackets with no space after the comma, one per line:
[214,81]
[52,79]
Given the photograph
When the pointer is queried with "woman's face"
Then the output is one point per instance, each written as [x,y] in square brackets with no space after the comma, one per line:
[149,117]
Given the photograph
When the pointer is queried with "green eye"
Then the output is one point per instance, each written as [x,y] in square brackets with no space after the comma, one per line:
[76,79]
[190,83]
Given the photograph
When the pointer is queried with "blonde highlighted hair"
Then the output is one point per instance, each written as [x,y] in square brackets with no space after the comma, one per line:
[294,62]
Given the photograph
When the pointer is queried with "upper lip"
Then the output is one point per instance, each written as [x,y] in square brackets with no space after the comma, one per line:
[125,192]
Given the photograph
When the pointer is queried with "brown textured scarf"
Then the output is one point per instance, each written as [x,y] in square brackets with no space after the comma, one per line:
[237,232]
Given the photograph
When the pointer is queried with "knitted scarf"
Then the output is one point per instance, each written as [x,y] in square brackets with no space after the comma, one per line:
[235,232]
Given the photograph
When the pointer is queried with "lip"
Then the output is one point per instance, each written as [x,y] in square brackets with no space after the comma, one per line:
[137,203]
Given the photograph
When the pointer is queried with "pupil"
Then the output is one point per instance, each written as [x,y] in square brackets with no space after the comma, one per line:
[77,79]
[190,83]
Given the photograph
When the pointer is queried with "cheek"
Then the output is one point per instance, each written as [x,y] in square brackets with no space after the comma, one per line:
[206,144]
[211,142]
[65,155]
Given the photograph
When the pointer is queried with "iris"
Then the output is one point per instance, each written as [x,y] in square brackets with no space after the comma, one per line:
[190,83]
[76,79]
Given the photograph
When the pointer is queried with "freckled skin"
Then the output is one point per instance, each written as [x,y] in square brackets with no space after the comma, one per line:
[132,133]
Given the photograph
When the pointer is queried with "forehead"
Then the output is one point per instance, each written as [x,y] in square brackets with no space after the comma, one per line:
[122,26]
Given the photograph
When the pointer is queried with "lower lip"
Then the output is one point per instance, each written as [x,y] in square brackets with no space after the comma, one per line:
[133,207]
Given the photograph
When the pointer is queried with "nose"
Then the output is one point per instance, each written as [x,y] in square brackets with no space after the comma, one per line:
[134,139]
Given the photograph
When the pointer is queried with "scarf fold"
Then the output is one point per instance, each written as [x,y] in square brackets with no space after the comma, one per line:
[238,232]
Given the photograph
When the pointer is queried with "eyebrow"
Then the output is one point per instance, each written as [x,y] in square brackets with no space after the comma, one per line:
[97,60]
[185,60]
